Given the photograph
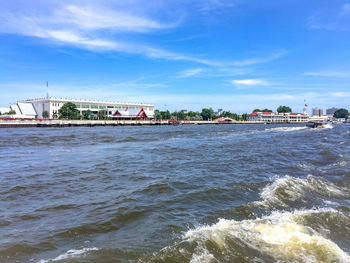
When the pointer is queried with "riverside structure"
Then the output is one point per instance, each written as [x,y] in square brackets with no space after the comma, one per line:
[34,108]
[274,117]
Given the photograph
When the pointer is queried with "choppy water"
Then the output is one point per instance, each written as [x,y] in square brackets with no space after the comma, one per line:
[227,193]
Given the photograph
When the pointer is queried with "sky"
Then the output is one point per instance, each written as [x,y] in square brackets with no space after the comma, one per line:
[237,55]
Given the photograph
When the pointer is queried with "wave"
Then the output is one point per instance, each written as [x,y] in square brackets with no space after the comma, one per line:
[73,253]
[284,190]
[280,236]
[285,129]
[328,126]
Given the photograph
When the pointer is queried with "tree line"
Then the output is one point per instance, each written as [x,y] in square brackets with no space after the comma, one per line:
[204,115]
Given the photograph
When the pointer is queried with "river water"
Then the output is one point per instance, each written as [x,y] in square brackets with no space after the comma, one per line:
[214,193]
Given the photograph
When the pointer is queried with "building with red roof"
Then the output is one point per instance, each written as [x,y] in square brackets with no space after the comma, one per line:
[274,117]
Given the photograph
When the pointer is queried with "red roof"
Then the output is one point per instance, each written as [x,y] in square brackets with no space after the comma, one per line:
[263,113]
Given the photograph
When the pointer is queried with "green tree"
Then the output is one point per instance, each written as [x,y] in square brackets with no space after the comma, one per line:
[165,115]
[194,116]
[244,116]
[256,110]
[180,115]
[283,109]
[207,114]
[101,115]
[87,115]
[341,113]
[157,115]
[11,112]
[69,111]
[55,115]
[45,114]
[267,110]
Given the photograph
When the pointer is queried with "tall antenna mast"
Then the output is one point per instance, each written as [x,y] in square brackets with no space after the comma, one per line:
[47,90]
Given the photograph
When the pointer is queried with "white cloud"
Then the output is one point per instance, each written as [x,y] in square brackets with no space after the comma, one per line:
[249,82]
[327,19]
[190,72]
[98,18]
[328,73]
[253,61]
[340,94]
[98,28]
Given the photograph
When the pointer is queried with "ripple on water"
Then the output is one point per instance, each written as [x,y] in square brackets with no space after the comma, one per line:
[217,193]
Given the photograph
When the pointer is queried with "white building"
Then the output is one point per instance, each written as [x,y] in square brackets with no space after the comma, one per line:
[274,117]
[34,108]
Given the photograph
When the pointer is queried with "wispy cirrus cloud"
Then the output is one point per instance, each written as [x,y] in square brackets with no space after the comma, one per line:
[190,72]
[337,20]
[101,29]
[250,82]
[215,5]
[328,73]
[253,61]
[91,18]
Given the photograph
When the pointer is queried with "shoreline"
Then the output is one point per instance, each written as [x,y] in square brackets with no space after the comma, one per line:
[93,123]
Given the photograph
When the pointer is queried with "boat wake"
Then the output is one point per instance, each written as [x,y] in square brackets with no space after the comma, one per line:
[299,235]
[328,126]
[284,191]
[285,129]
[280,236]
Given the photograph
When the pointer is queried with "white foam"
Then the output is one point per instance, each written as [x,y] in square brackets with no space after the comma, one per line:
[289,188]
[328,126]
[279,236]
[202,255]
[69,254]
[285,129]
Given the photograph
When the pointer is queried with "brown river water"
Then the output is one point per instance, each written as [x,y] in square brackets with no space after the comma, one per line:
[211,193]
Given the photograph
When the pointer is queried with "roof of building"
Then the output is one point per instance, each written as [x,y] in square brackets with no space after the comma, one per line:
[294,113]
[225,119]
[263,113]
[132,113]
[16,109]
[85,101]
[27,108]
[274,113]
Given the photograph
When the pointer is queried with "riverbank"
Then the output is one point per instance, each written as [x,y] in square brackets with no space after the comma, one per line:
[91,123]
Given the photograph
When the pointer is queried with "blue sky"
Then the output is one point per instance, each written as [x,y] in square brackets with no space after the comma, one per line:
[185,54]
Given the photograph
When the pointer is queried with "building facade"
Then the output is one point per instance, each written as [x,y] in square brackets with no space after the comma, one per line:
[52,105]
[274,117]
[317,112]
[331,111]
